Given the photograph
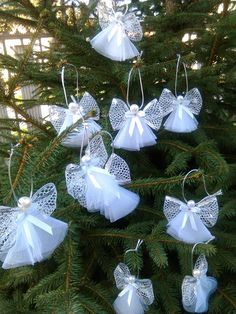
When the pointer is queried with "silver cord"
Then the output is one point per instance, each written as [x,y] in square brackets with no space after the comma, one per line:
[9,170]
[141,87]
[176,74]
[63,81]
[184,180]
[207,242]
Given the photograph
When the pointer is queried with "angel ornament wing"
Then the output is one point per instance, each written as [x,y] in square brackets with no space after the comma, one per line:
[118,31]
[28,233]
[188,221]
[136,294]
[96,181]
[62,118]
[134,124]
[197,289]
[181,110]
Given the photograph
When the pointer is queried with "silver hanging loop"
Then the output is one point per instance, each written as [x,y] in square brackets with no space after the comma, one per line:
[176,74]
[13,147]
[184,180]
[141,86]
[139,243]
[192,264]
[63,81]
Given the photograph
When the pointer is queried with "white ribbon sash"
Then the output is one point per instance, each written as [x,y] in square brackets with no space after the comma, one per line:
[189,215]
[182,108]
[128,289]
[36,222]
[135,121]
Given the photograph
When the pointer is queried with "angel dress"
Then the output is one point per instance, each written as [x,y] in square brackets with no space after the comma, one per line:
[114,41]
[134,125]
[62,118]
[97,188]
[136,293]
[188,222]
[28,233]
[181,110]
[197,289]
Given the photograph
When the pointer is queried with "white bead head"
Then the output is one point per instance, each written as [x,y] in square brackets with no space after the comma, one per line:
[73,107]
[85,159]
[131,279]
[24,203]
[196,273]
[118,15]
[134,109]
[191,204]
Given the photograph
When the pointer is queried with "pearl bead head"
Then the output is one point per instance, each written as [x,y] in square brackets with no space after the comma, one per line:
[85,159]
[191,204]
[73,107]
[196,273]
[24,203]
[134,108]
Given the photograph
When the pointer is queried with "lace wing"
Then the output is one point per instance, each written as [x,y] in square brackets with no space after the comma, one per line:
[117,113]
[145,291]
[57,116]
[121,272]
[172,207]
[209,210]
[201,264]
[133,27]
[153,114]
[119,168]
[189,295]
[8,226]
[76,183]
[45,199]
[97,150]
[105,14]
[195,99]
[89,106]
[166,102]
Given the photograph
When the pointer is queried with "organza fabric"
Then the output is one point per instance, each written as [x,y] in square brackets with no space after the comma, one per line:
[113,43]
[29,234]
[197,289]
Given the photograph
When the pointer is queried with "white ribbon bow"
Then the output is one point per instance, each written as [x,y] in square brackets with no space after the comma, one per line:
[135,120]
[182,105]
[128,284]
[189,210]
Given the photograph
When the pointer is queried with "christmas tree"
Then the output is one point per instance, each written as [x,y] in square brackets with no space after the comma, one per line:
[78,278]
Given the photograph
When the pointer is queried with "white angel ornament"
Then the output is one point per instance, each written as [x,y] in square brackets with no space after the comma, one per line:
[118,29]
[188,221]
[134,123]
[28,233]
[181,109]
[63,118]
[95,182]
[136,295]
[197,289]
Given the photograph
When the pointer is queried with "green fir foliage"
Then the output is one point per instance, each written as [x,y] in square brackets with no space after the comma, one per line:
[78,278]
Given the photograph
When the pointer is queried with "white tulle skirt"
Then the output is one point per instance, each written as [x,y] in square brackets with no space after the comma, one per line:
[187,234]
[135,141]
[186,124]
[79,136]
[117,46]
[44,243]
[204,288]
[121,305]
[105,195]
